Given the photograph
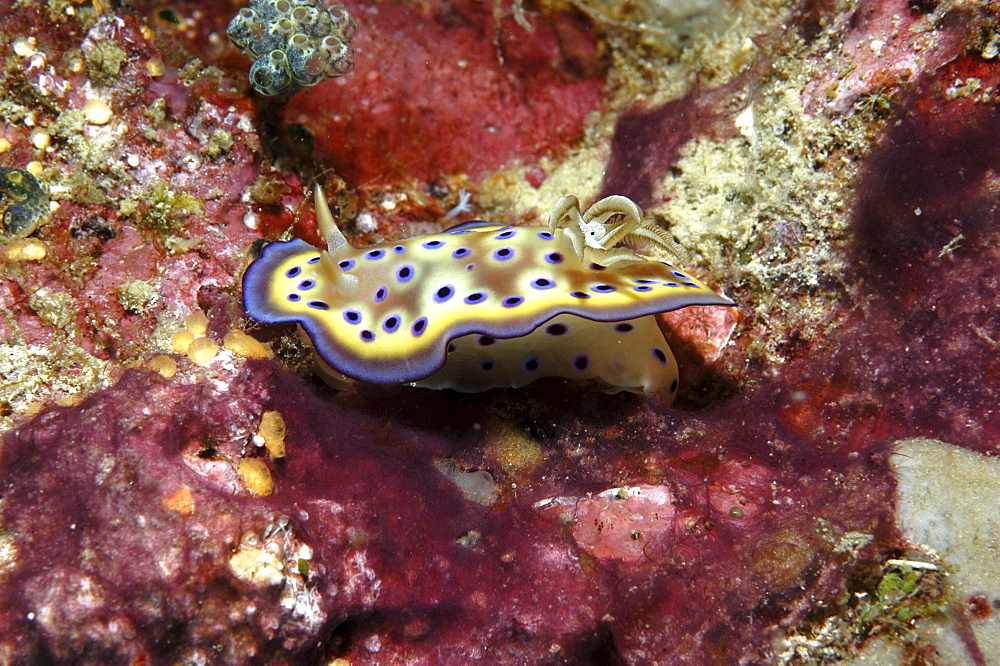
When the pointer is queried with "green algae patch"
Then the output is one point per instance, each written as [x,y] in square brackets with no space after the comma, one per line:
[219,144]
[890,605]
[936,600]
[162,210]
[105,61]
[138,296]
[514,451]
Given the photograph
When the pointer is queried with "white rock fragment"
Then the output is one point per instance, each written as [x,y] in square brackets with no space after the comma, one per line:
[477,485]
[745,124]
[365,222]
[948,498]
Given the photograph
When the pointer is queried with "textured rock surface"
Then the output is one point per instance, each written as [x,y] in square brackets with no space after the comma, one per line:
[448,105]
[126,518]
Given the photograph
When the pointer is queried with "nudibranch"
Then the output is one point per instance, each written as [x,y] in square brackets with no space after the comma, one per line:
[477,306]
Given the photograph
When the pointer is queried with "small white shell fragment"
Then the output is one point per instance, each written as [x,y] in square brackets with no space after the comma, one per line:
[97,112]
[23,47]
[40,138]
[26,249]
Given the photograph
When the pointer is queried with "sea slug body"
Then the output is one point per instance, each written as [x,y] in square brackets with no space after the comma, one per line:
[477,306]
